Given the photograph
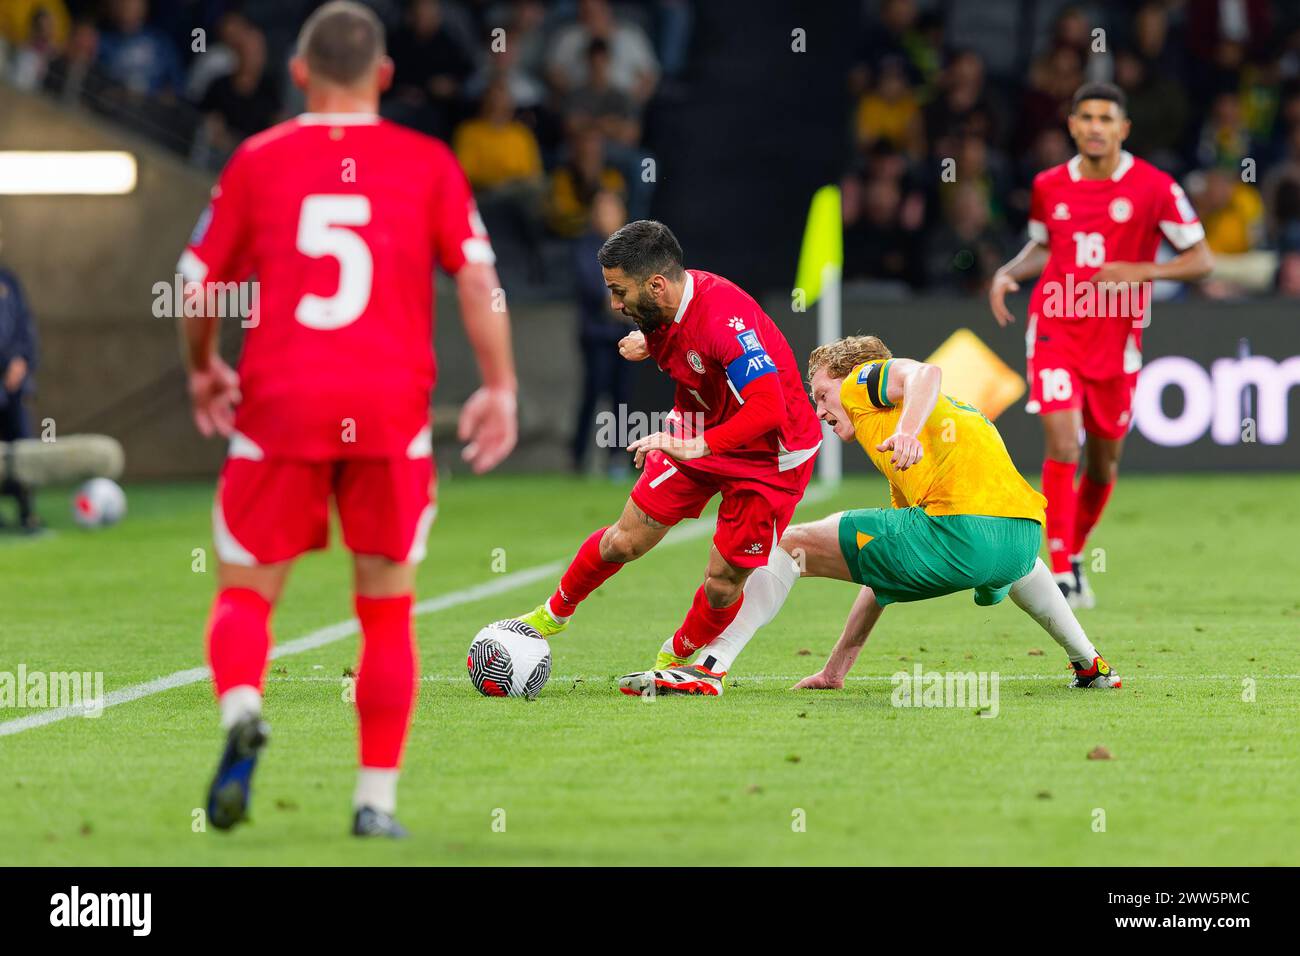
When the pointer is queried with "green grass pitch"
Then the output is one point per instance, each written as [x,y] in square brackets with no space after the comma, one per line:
[1198,595]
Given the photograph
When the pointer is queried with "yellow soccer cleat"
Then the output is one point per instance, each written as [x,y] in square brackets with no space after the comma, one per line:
[667,660]
[543,621]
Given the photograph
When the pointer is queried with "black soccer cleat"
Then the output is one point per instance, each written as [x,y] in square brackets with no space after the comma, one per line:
[370,822]
[232,785]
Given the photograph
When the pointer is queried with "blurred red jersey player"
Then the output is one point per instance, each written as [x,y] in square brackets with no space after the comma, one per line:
[741,426]
[342,218]
[1095,225]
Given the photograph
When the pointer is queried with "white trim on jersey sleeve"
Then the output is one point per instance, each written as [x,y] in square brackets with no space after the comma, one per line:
[191,267]
[1038,232]
[478,250]
[1182,235]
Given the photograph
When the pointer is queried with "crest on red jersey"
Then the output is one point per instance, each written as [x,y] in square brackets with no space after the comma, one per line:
[697,363]
[1121,210]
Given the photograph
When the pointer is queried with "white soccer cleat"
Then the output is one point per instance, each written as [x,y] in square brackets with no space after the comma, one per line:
[693,680]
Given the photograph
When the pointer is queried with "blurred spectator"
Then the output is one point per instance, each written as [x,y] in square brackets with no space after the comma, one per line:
[137,57]
[1052,148]
[890,112]
[878,243]
[898,35]
[1224,140]
[1281,192]
[604,372]
[76,73]
[962,105]
[431,67]
[509,64]
[575,184]
[494,148]
[1215,26]
[32,58]
[1053,78]
[1158,108]
[967,248]
[17,363]
[18,20]
[217,60]
[1151,41]
[1230,210]
[246,101]
[597,104]
[500,157]
[633,66]
[1071,31]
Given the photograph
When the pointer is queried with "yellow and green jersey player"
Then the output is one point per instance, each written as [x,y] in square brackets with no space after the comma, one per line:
[962,518]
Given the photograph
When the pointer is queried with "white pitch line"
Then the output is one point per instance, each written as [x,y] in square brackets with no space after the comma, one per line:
[337,632]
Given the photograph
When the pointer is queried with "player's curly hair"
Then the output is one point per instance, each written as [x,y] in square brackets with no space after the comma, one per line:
[841,357]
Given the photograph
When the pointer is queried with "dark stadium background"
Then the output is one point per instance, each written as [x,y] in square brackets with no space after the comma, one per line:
[754,105]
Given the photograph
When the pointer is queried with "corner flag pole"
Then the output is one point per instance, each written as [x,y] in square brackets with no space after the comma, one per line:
[821,262]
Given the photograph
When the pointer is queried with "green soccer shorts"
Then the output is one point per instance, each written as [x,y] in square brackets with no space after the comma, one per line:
[904,554]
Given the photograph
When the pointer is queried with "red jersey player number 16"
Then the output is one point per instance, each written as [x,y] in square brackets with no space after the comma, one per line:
[1095,225]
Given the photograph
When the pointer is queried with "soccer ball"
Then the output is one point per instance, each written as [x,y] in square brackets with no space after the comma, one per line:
[509,659]
[99,503]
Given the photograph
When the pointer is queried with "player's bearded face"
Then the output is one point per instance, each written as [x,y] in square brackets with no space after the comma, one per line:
[640,301]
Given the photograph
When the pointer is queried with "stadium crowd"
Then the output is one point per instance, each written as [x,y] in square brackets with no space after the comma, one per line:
[543,103]
[1213,91]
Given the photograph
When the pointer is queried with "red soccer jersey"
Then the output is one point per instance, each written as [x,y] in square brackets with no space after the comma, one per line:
[719,342]
[1086,223]
[341,219]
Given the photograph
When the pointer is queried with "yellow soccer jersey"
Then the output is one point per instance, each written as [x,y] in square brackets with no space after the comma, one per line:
[965,470]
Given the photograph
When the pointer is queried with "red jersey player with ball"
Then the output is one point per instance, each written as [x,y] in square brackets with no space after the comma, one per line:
[342,217]
[742,426]
[1095,225]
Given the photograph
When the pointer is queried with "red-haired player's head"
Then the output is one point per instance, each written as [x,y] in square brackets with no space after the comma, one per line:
[341,63]
[1099,121]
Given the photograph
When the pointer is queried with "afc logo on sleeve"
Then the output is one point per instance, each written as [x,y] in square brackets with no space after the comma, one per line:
[752,363]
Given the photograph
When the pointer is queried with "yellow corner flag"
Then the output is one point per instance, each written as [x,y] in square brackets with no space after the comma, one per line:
[823,243]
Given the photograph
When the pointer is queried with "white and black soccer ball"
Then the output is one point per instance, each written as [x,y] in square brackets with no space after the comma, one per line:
[509,659]
[99,503]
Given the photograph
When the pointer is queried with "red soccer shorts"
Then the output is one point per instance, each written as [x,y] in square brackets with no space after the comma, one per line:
[751,518]
[269,510]
[1055,385]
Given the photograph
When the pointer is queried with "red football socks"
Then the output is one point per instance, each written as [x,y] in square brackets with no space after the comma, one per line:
[1058,487]
[386,679]
[587,572]
[239,639]
[1092,500]
[703,623]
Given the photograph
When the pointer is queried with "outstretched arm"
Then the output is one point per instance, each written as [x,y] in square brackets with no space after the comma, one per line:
[1027,264]
[862,618]
[1191,264]
[916,385]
